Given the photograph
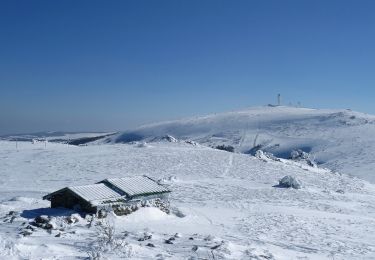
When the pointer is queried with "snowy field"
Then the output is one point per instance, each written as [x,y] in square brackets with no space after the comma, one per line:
[225,205]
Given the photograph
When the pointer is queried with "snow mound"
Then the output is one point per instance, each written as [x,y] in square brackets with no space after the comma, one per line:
[289,182]
[147,214]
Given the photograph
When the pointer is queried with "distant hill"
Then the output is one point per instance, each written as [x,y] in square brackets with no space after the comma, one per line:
[341,140]
[74,138]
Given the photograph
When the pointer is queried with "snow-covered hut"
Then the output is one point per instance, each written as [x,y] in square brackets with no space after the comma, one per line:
[116,194]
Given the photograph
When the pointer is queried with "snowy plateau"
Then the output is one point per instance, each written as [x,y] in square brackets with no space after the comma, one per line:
[224,205]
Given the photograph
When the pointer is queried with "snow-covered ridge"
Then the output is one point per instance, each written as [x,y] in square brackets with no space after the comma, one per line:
[342,140]
[54,136]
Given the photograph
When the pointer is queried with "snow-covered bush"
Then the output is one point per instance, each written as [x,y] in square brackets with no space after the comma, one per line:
[108,242]
[290,182]
[167,180]
[260,155]
[169,138]
[265,156]
[224,147]
[299,155]
[191,142]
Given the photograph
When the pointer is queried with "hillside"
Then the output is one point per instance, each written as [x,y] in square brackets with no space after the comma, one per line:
[342,140]
[225,205]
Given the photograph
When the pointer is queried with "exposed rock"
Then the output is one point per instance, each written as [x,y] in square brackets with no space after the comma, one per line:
[26,232]
[12,213]
[72,219]
[43,219]
[217,246]
[102,213]
[30,227]
[177,235]
[168,242]
[146,236]
[44,222]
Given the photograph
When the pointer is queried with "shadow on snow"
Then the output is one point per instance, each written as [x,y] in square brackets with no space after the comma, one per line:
[52,212]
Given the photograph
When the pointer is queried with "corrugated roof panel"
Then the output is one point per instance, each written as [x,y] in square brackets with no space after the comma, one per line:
[137,185]
[95,192]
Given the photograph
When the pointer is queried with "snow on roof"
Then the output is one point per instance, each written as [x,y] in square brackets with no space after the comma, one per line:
[139,185]
[93,192]
[117,188]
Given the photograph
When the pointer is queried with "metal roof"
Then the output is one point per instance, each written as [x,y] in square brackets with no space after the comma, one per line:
[114,190]
[136,186]
[93,192]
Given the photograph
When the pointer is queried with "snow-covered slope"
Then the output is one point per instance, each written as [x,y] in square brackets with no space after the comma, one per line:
[341,140]
[225,205]
[54,136]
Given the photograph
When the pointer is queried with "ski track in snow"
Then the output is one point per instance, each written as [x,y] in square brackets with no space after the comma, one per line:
[224,196]
[229,166]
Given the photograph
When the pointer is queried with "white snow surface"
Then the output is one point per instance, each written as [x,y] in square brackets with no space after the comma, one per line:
[342,140]
[225,205]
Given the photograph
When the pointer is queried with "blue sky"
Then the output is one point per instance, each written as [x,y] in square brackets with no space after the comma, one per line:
[112,65]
